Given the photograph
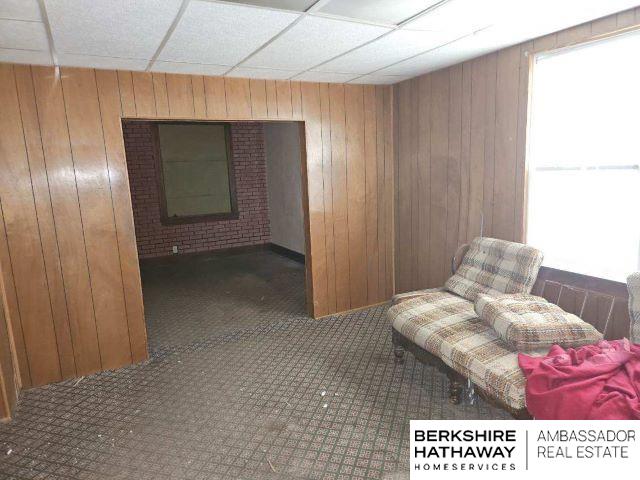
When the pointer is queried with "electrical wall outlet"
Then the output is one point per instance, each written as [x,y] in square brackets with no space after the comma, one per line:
[175,249]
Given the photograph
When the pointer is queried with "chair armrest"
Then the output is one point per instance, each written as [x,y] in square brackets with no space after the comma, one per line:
[456,261]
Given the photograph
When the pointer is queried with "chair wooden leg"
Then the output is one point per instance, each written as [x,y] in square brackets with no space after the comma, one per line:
[398,352]
[456,389]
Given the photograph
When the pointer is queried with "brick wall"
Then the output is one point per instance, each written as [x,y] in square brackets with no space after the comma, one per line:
[155,239]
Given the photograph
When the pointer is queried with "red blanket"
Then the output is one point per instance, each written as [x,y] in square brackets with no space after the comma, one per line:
[597,382]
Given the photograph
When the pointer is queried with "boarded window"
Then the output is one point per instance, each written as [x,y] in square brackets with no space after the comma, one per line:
[196,172]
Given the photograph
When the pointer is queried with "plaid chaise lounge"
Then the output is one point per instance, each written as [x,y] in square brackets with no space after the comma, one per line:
[445,325]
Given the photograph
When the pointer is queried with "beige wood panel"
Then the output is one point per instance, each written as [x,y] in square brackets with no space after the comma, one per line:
[143,94]
[96,209]
[356,194]
[67,240]
[272,98]
[8,385]
[283,99]
[121,197]
[9,300]
[180,95]
[339,185]
[371,193]
[238,95]
[454,178]
[160,94]
[46,225]
[66,210]
[472,129]
[215,97]
[327,179]
[258,98]
[199,98]
[23,239]
[127,94]
[315,196]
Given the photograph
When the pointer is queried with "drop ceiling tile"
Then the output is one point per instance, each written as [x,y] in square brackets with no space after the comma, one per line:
[380,79]
[20,10]
[222,34]
[311,41]
[190,68]
[463,16]
[381,11]
[23,35]
[295,5]
[325,77]
[389,49]
[264,73]
[113,28]
[25,56]
[110,63]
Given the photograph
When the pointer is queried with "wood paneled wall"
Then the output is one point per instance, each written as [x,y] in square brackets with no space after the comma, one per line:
[461,153]
[8,384]
[67,247]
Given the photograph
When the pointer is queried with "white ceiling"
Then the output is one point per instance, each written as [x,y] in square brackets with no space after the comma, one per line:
[357,41]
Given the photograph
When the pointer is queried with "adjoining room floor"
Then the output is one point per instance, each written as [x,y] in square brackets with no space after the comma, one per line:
[240,384]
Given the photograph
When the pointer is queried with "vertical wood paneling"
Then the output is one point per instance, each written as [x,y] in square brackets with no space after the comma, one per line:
[472,127]
[160,93]
[296,101]
[339,184]
[283,98]
[127,94]
[356,194]
[145,101]
[507,84]
[389,191]
[453,167]
[45,219]
[258,98]
[23,238]
[180,95]
[66,210]
[272,98]
[238,95]
[465,147]
[199,98]
[328,196]
[423,175]
[121,196]
[404,229]
[96,208]
[371,193]
[8,388]
[315,194]
[215,98]
[68,259]
[380,189]
[9,300]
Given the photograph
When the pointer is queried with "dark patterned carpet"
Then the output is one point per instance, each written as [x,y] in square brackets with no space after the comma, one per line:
[240,384]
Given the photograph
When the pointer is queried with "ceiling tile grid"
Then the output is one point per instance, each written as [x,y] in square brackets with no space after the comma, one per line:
[356,41]
[222,34]
[312,41]
[110,28]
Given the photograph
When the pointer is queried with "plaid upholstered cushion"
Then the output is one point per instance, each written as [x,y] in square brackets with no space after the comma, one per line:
[446,325]
[633,283]
[527,322]
[495,266]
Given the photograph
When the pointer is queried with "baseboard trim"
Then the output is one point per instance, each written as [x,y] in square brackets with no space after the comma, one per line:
[286,252]
[221,251]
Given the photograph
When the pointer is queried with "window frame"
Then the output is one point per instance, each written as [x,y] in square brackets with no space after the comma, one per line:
[554,272]
[165,219]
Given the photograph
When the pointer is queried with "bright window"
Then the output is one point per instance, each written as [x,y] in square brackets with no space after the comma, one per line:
[584,158]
